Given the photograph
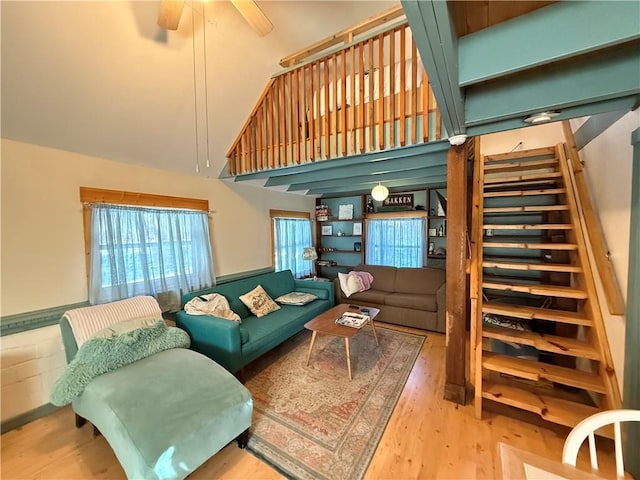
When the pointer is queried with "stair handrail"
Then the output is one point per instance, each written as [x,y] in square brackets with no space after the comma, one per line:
[612,292]
[607,371]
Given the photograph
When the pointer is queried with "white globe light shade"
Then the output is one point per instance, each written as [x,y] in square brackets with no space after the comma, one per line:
[380,192]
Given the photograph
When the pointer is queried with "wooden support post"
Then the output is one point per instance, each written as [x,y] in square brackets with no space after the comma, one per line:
[456,360]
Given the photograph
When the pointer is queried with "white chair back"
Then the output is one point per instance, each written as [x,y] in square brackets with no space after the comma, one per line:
[587,428]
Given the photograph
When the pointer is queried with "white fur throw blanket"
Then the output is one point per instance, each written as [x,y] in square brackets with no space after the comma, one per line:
[211,304]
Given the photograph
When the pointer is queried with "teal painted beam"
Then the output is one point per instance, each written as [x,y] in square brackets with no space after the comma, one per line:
[595,125]
[550,34]
[607,76]
[345,170]
[408,151]
[619,104]
[631,395]
[437,42]
[400,184]
[372,179]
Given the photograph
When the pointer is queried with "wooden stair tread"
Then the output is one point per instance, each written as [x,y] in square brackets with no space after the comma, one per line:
[531,153]
[525,208]
[526,193]
[556,410]
[520,166]
[549,183]
[534,371]
[546,290]
[531,245]
[536,313]
[547,343]
[519,178]
[543,267]
[529,226]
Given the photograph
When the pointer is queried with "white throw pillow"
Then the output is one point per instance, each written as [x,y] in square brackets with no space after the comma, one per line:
[350,284]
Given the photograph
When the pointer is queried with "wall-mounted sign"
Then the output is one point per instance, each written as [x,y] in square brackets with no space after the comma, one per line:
[399,200]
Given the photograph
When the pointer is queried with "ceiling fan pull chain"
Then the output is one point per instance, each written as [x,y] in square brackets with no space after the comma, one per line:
[206,83]
[195,97]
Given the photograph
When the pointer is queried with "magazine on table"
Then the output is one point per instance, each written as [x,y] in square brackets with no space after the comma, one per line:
[355,320]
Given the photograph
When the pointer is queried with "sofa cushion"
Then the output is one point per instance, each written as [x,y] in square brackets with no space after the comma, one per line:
[384,277]
[296,298]
[259,302]
[412,300]
[369,296]
[419,280]
[322,294]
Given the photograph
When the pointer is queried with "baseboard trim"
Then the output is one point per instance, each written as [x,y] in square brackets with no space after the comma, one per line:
[24,418]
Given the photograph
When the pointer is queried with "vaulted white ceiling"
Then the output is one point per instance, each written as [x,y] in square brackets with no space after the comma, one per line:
[102,79]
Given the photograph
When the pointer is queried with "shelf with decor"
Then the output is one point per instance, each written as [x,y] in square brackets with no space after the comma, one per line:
[437,226]
[339,234]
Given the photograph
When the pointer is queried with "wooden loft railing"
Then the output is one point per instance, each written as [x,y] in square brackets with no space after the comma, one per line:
[372,94]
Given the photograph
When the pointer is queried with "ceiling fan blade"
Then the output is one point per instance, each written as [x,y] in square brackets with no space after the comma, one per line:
[254,16]
[170,13]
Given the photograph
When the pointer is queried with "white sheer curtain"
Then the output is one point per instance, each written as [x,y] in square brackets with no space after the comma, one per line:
[148,251]
[398,242]
[291,236]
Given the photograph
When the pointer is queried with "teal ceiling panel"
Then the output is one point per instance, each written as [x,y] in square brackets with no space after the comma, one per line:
[372,179]
[553,33]
[401,185]
[375,168]
[615,105]
[402,152]
[437,43]
[592,78]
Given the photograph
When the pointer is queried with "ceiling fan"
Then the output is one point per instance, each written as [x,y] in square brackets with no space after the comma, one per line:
[171,11]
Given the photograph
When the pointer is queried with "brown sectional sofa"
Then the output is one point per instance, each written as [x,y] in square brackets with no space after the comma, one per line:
[413,297]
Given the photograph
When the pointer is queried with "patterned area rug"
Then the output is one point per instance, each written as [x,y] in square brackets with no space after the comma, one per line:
[312,422]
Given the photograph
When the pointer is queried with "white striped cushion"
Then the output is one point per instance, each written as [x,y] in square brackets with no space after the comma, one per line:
[88,320]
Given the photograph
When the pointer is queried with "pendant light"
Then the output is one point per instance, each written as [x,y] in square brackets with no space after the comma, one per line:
[379,192]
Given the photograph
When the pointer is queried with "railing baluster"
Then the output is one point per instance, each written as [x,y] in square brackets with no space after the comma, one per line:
[403,73]
[335,116]
[361,96]
[296,114]
[282,145]
[311,115]
[272,127]
[414,91]
[354,109]
[381,90]
[392,88]
[425,106]
[343,105]
[318,131]
[260,118]
[372,97]
[327,115]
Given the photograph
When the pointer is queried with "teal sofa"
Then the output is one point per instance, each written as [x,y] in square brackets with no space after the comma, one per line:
[233,345]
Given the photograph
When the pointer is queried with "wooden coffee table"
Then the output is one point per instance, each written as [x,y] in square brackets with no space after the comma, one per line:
[325,323]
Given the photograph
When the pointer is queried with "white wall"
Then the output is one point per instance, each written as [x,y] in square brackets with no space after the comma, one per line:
[608,166]
[547,135]
[43,260]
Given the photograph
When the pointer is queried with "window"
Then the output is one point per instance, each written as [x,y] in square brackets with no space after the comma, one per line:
[140,250]
[398,242]
[291,235]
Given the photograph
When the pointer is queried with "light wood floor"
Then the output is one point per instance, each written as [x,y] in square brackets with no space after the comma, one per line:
[427,437]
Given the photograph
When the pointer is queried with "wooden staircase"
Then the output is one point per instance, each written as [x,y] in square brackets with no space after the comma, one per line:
[538,341]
